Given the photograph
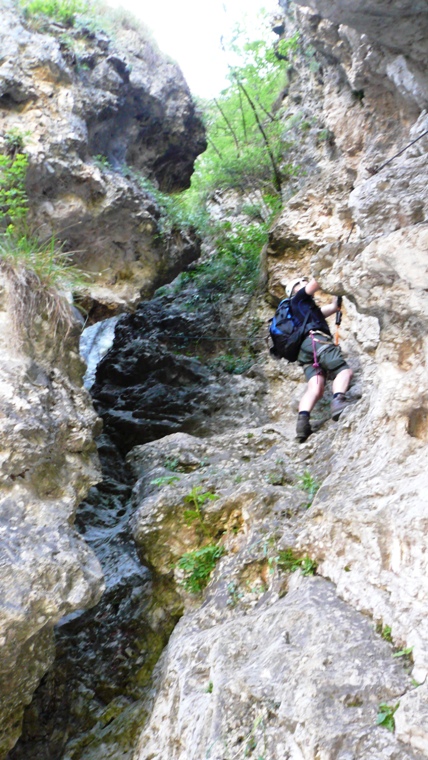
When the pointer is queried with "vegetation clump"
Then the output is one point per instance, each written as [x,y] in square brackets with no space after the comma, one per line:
[198,566]
[197,498]
[385,631]
[245,167]
[246,147]
[385,716]
[289,562]
[13,196]
[310,485]
[63,11]
[39,272]
[85,16]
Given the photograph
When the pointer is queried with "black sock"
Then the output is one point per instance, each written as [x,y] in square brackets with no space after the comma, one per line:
[335,395]
[304,414]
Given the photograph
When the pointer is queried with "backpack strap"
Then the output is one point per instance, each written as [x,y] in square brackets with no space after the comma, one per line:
[304,323]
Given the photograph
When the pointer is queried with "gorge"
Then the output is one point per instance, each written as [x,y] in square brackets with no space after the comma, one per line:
[310,638]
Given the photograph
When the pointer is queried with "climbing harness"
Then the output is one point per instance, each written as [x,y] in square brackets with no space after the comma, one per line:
[338,319]
[315,340]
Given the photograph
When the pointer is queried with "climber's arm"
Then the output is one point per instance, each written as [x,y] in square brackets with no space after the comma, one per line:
[312,287]
[330,308]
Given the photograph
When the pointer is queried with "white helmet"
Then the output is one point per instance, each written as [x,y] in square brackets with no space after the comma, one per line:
[289,286]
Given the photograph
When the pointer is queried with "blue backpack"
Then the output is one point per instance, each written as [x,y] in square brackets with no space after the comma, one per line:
[287,332]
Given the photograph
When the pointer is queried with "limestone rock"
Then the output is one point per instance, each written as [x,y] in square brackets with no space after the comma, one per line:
[366,525]
[48,462]
[91,696]
[96,114]
[397,27]
[301,677]
[367,522]
[236,492]
[265,662]
[373,540]
[409,727]
[250,694]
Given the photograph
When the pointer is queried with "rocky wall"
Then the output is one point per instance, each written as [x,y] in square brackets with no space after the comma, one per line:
[96,112]
[98,115]
[225,686]
[311,629]
[48,463]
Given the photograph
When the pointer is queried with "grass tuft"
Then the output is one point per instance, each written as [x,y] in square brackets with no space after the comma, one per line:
[39,276]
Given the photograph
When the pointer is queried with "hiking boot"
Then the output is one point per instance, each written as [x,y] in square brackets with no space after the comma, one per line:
[303,428]
[337,405]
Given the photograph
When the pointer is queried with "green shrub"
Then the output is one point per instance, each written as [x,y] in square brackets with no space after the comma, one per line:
[406,652]
[198,566]
[38,272]
[87,16]
[176,213]
[308,566]
[384,631]
[287,560]
[64,11]
[52,267]
[101,161]
[197,498]
[244,123]
[19,248]
[166,480]
[235,264]
[15,139]
[13,196]
[234,364]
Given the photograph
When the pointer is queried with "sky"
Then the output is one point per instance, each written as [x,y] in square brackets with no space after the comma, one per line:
[189,31]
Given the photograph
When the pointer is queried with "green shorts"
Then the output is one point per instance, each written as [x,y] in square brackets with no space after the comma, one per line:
[329,357]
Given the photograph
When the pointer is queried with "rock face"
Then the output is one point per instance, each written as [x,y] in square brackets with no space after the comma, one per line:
[271,663]
[103,656]
[268,661]
[98,119]
[401,29]
[367,525]
[48,463]
[146,386]
[250,677]
[96,115]
[227,685]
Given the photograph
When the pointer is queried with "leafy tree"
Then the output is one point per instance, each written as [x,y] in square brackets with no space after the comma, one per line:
[247,153]
[246,150]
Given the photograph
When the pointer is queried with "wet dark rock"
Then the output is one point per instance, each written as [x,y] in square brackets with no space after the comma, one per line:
[147,387]
[104,656]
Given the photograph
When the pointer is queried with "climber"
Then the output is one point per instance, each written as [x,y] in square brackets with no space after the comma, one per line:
[318,355]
